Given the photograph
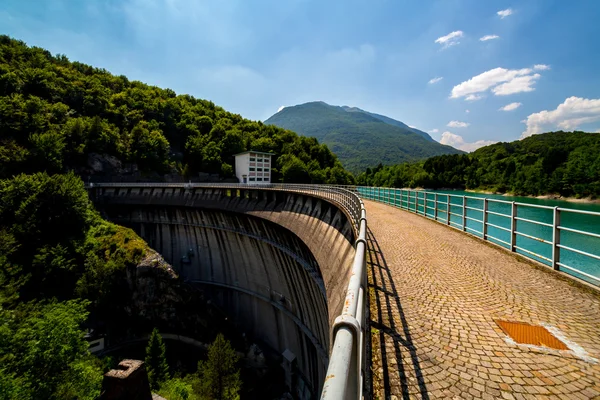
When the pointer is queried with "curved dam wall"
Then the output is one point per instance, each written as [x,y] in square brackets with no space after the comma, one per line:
[278,263]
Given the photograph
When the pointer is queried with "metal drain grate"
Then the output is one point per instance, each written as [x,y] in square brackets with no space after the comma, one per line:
[536,335]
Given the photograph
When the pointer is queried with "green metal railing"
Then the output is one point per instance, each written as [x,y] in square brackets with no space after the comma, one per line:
[541,233]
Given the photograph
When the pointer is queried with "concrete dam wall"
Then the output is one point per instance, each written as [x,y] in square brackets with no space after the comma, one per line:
[277,262]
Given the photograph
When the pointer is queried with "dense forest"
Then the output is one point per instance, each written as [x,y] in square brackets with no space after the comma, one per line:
[57,115]
[563,163]
[58,261]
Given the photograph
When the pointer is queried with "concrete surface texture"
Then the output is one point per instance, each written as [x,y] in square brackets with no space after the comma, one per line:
[435,296]
[279,264]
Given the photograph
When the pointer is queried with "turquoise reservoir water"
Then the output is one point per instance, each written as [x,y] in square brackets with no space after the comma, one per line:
[533,239]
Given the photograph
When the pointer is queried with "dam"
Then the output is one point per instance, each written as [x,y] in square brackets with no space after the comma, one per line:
[277,262]
[414,306]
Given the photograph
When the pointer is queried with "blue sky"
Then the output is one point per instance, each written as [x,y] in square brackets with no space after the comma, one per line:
[252,57]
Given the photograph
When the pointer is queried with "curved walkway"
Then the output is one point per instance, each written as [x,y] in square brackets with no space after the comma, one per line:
[435,295]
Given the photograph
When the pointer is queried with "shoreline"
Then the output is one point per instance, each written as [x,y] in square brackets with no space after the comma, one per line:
[585,200]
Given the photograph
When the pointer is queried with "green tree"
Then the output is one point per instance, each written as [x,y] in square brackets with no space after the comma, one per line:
[48,149]
[294,170]
[205,124]
[149,148]
[48,216]
[177,389]
[82,380]
[156,361]
[226,170]
[211,158]
[43,347]
[219,378]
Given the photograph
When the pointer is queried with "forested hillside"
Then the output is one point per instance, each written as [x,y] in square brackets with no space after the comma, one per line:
[565,163]
[360,139]
[57,115]
[62,267]
[58,261]
[390,121]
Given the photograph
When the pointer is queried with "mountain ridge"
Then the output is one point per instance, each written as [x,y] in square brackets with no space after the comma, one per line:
[390,121]
[359,138]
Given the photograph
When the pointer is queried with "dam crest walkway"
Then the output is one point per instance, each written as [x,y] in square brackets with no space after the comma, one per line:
[436,296]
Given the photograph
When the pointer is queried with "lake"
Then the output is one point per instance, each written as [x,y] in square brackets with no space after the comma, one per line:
[534,240]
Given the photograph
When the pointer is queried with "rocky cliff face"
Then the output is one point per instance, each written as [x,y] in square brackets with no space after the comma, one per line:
[155,289]
[107,168]
[158,298]
[105,164]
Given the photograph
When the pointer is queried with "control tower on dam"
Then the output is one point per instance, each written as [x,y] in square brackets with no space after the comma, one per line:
[276,262]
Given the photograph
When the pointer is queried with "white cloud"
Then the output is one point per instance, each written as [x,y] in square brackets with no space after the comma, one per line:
[413,127]
[435,80]
[473,97]
[569,115]
[505,13]
[450,39]
[541,67]
[467,111]
[457,124]
[489,37]
[458,142]
[516,85]
[597,131]
[502,81]
[434,131]
[510,107]
[280,108]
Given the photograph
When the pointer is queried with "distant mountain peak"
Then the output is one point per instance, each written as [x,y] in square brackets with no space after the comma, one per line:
[360,138]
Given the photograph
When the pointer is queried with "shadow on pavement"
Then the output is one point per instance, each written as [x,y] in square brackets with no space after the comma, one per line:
[399,363]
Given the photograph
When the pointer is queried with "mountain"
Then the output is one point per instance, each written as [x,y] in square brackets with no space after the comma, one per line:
[390,121]
[359,138]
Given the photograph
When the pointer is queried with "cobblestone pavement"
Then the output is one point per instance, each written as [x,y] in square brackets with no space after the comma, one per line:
[435,295]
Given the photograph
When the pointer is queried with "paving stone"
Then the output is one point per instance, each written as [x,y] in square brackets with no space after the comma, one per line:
[436,293]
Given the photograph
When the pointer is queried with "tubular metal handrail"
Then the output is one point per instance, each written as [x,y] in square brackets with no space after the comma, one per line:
[440,207]
[345,373]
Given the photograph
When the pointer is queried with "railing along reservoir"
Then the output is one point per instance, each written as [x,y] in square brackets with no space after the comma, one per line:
[548,235]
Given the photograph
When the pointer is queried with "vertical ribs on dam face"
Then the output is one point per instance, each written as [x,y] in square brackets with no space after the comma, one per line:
[277,263]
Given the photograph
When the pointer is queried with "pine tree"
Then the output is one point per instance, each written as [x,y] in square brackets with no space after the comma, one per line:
[156,361]
[219,379]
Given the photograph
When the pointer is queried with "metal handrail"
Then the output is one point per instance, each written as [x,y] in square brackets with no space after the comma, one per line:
[345,372]
[564,228]
[441,207]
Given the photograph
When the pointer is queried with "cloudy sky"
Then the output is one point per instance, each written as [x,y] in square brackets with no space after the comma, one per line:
[470,72]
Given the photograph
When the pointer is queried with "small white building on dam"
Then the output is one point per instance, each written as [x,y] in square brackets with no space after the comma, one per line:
[253,167]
